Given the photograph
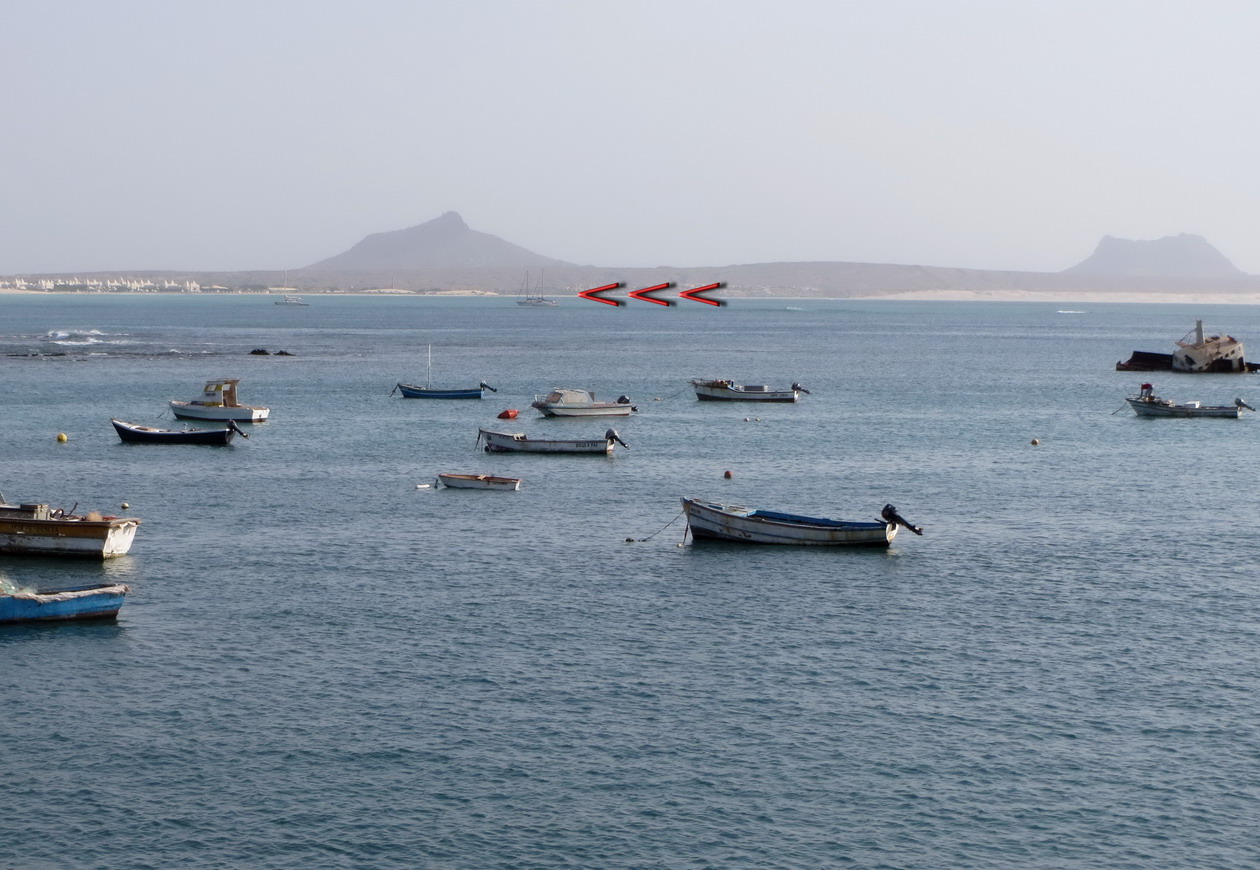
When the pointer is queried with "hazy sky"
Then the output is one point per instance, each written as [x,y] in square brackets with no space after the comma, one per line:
[269,134]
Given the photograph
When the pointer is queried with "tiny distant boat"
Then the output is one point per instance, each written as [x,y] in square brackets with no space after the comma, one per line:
[291,299]
[535,299]
[537,302]
[1147,404]
[723,522]
[412,391]
[516,442]
[729,391]
[1195,352]
[580,403]
[101,601]
[218,402]
[34,530]
[137,434]
[478,481]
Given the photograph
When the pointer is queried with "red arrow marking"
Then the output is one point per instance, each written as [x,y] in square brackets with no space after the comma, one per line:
[590,294]
[642,294]
[691,294]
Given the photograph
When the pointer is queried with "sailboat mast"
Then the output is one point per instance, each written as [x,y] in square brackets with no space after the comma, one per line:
[428,376]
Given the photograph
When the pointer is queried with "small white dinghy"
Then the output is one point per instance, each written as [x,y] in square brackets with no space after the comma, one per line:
[478,481]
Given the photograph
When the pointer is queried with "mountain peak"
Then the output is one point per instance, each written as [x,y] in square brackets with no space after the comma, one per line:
[445,242]
[1180,256]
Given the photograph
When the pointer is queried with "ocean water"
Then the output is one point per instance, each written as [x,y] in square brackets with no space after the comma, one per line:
[322,665]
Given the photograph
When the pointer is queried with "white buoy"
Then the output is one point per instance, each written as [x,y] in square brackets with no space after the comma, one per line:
[1035,442]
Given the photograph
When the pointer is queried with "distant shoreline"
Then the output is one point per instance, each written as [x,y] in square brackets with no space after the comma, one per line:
[1044,297]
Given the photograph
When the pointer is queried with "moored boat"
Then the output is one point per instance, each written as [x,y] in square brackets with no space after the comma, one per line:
[478,481]
[35,530]
[101,601]
[291,299]
[1147,404]
[411,391]
[138,434]
[580,403]
[517,442]
[724,522]
[218,402]
[728,391]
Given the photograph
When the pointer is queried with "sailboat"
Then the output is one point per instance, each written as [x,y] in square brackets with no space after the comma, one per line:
[428,391]
[536,299]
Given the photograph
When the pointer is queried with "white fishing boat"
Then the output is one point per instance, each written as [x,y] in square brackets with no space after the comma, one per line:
[580,403]
[36,530]
[1147,404]
[724,522]
[218,402]
[729,391]
[478,481]
[517,442]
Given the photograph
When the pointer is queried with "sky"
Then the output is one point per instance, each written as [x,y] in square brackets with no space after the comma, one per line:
[271,134]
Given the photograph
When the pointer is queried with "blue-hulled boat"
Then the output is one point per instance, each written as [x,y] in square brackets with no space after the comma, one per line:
[412,391]
[101,601]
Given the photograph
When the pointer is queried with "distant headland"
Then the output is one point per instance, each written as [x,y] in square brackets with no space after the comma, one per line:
[446,257]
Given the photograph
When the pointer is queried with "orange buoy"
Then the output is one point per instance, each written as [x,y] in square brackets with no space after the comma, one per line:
[727,475]
[509,414]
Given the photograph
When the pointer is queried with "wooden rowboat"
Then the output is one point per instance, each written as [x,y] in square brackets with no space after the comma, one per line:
[724,522]
[478,481]
[62,605]
[517,442]
[137,434]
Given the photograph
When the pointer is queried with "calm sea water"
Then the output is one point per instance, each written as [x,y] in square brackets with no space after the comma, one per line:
[322,665]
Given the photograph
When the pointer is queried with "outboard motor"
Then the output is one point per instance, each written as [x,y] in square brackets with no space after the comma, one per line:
[889,515]
[612,435]
[799,388]
[486,386]
[1239,403]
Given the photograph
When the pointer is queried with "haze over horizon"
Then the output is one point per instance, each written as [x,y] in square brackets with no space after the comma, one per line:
[986,135]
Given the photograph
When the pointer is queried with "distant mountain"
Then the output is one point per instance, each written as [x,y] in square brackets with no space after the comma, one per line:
[442,243]
[1183,256]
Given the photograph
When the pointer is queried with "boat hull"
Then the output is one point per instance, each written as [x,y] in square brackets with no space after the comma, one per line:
[412,392]
[1159,409]
[78,537]
[479,481]
[96,602]
[725,391]
[596,409]
[719,522]
[134,434]
[516,442]
[219,413]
